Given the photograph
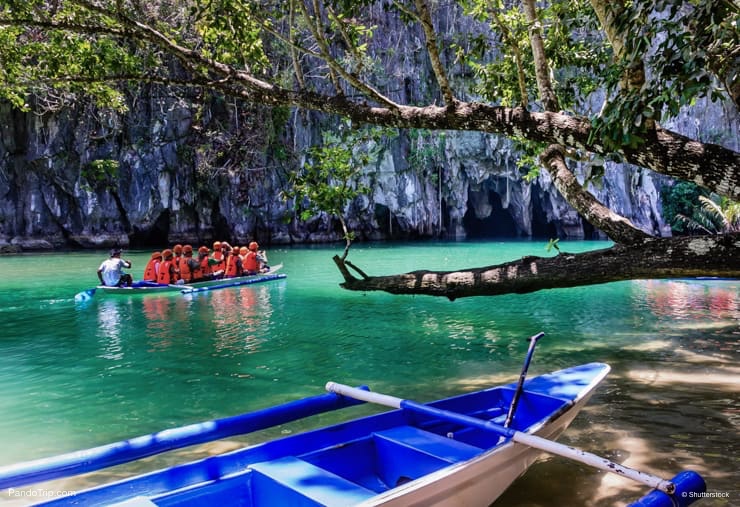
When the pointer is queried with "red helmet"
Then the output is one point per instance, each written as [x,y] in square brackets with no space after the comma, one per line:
[157,255]
[177,249]
[167,254]
[253,246]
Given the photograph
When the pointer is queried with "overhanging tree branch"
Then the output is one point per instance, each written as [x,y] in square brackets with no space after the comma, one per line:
[658,258]
[710,165]
[616,227]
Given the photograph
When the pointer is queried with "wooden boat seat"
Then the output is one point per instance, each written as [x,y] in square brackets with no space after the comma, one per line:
[447,449]
[292,481]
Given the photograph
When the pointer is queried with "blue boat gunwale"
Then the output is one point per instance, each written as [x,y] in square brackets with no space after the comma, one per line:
[132,449]
[235,463]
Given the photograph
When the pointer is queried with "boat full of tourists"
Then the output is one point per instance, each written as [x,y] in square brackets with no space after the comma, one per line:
[218,282]
[143,287]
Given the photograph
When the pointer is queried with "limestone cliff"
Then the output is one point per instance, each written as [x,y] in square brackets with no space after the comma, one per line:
[192,173]
[194,168]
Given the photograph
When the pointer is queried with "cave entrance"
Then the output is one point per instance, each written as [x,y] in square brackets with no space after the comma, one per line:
[499,224]
[541,226]
[387,223]
[154,236]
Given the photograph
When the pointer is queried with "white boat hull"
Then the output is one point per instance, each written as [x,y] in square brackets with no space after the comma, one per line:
[480,481]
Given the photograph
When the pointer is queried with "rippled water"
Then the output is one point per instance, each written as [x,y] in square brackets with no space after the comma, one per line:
[74,376]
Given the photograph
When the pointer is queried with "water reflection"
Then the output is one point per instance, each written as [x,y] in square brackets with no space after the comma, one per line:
[240,318]
[110,318]
[164,317]
[683,300]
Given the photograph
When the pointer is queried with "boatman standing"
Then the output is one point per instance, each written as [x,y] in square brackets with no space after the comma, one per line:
[111,272]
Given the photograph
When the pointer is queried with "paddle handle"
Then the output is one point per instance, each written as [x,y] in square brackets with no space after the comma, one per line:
[517,436]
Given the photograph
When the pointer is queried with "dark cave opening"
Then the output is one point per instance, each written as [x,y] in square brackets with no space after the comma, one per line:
[499,224]
[154,236]
[541,226]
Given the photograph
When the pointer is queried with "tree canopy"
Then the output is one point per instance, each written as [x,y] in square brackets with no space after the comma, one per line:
[569,80]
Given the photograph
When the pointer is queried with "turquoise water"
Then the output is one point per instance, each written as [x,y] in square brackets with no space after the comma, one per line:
[79,375]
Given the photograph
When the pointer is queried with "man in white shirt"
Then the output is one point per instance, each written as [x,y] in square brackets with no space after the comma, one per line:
[111,272]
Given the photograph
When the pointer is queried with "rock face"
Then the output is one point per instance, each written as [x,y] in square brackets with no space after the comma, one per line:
[179,180]
[191,170]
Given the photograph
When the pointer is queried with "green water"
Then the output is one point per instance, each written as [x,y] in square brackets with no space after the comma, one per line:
[78,375]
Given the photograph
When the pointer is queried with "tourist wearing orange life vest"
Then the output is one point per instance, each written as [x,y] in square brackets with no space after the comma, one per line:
[218,256]
[187,264]
[255,261]
[150,271]
[197,271]
[204,269]
[167,271]
[233,263]
[177,251]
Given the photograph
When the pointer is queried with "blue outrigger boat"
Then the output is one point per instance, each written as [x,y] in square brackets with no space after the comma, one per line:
[464,450]
[143,287]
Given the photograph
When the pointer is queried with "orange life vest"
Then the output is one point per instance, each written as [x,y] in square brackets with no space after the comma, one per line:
[205,268]
[176,263]
[221,265]
[185,272]
[196,273]
[150,271]
[250,262]
[164,273]
[232,266]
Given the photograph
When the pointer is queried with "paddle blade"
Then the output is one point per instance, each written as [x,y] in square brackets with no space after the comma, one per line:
[85,295]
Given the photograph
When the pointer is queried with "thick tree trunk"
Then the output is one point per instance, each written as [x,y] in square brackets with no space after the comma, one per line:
[653,259]
[542,68]
[616,227]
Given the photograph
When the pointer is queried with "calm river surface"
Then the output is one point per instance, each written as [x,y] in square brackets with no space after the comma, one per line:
[74,376]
